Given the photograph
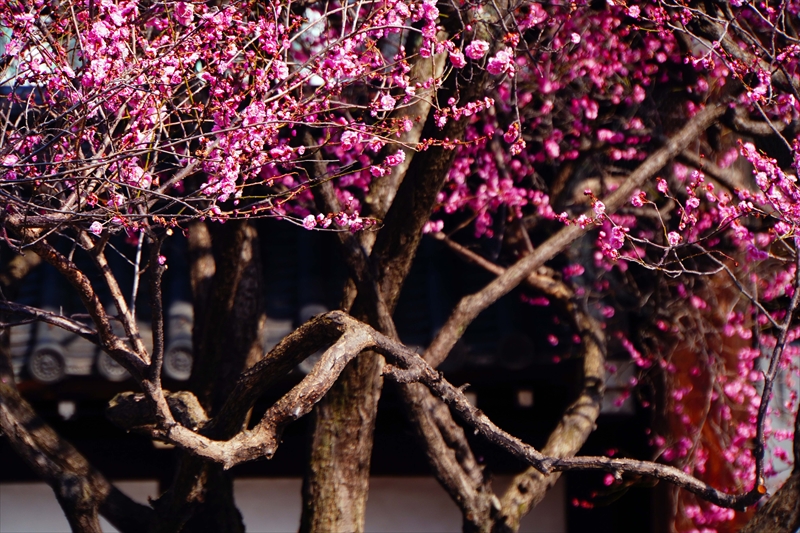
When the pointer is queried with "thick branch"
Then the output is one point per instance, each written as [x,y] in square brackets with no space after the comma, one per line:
[398,241]
[406,365]
[17,268]
[291,351]
[781,513]
[80,489]
[445,444]
[744,124]
[133,412]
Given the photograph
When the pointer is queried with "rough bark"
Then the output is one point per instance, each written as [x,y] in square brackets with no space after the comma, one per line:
[781,513]
[230,316]
[336,484]
[82,491]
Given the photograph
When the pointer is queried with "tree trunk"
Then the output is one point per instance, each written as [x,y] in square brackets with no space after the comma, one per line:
[336,486]
[337,480]
[229,316]
[781,514]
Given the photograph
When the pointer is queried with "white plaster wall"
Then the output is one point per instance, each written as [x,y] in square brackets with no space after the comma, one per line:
[396,504]
[32,507]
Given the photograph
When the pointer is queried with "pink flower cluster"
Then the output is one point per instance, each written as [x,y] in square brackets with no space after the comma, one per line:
[353,222]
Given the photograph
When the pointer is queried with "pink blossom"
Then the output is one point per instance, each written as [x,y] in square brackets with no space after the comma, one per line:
[512,133]
[673,238]
[433,226]
[184,13]
[396,158]
[617,237]
[539,301]
[378,171]
[310,222]
[638,198]
[386,103]
[476,49]
[552,148]
[349,139]
[323,220]
[96,228]
[570,271]
[280,69]
[457,59]
[599,208]
[9,161]
[501,63]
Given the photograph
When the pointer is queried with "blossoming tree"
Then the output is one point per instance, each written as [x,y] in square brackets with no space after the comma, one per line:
[660,135]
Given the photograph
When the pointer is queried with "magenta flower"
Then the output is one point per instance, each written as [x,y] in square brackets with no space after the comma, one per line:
[386,103]
[501,63]
[184,13]
[476,49]
[457,59]
[396,158]
[310,222]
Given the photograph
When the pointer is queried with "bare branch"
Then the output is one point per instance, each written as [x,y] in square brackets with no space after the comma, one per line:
[65,323]
[744,124]
[97,253]
[108,340]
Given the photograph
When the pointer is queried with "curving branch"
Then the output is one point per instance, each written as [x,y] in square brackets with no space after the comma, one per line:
[97,252]
[405,366]
[781,514]
[578,420]
[741,123]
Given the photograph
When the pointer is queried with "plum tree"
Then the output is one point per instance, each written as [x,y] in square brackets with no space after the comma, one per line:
[659,135]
